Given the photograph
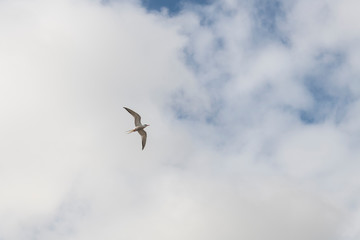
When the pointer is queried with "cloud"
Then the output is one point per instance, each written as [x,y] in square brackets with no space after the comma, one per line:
[253,107]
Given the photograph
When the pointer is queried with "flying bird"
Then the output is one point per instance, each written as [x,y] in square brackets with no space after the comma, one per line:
[138,126]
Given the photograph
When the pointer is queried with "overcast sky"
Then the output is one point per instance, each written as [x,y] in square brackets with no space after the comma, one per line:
[253,107]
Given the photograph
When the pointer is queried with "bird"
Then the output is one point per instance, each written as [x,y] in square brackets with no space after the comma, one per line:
[138,126]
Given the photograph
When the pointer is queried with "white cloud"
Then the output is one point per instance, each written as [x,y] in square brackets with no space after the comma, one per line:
[228,154]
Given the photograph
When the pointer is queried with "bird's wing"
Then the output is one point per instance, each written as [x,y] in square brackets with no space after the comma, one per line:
[143,137]
[135,115]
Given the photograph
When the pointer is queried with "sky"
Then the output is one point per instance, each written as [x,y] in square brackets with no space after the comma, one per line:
[172,6]
[253,107]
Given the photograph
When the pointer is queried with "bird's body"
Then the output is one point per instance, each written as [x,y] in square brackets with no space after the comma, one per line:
[138,126]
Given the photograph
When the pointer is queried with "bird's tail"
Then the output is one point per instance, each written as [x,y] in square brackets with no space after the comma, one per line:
[130,131]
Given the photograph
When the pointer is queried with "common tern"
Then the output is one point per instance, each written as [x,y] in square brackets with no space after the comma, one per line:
[138,126]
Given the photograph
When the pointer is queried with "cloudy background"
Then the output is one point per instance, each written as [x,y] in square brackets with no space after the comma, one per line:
[253,107]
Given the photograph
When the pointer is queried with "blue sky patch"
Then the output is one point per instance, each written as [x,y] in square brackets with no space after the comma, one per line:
[174,6]
[329,100]
[267,14]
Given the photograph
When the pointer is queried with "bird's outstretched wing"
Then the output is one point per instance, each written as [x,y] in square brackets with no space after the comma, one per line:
[143,137]
[135,115]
